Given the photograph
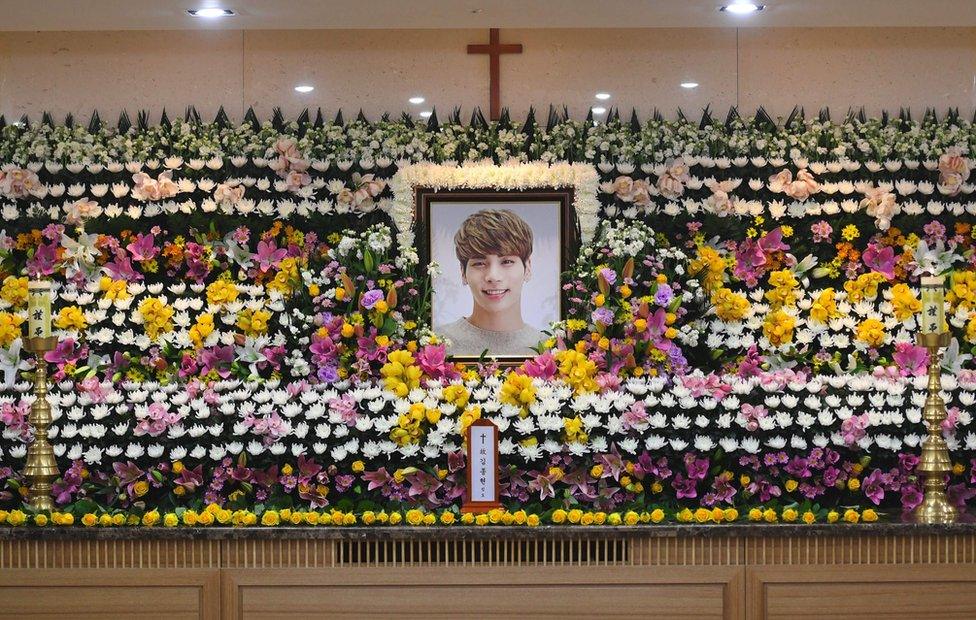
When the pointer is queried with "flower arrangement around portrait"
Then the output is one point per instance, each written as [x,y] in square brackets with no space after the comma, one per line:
[783,257]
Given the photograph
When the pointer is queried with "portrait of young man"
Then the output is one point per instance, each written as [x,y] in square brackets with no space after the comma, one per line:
[499,285]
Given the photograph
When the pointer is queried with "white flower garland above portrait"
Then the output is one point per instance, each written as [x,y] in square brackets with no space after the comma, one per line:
[583,178]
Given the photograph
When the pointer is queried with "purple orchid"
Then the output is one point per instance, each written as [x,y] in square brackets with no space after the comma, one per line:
[685,487]
[44,261]
[190,479]
[217,358]
[873,487]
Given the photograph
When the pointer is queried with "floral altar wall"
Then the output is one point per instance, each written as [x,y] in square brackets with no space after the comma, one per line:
[242,318]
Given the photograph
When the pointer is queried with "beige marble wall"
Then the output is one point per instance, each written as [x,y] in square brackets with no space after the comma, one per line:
[79,71]
[378,70]
[841,67]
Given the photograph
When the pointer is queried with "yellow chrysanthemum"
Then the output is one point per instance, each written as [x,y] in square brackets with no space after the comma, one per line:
[14,291]
[9,328]
[871,332]
[729,306]
[113,289]
[221,292]
[71,317]
[962,290]
[156,317]
[783,288]
[778,328]
[577,370]
[400,373]
[253,322]
[904,302]
[824,306]
[518,390]
[711,267]
[203,328]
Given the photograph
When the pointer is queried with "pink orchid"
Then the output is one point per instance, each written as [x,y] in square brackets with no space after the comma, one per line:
[147,188]
[911,359]
[752,415]
[952,419]
[541,366]
[155,420]
[432,359]
[346,408]
[18,182]
[44,261]
[143,248]
[635,416]
[853,428]
[953,170]
[882,261]
[269,255]
[121,269]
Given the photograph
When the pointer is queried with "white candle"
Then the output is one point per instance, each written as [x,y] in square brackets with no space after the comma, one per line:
[933,304]
[39,308]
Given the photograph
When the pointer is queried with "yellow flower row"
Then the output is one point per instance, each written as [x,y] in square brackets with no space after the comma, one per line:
[215,515]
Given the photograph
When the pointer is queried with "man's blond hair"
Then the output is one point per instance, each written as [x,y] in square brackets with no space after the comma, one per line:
[493,231]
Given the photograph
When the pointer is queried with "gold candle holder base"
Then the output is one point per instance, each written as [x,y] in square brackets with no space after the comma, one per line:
[42,468]
[935,462]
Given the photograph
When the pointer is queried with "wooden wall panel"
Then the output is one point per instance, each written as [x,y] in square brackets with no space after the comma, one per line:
[134,553]
[909,592]
[128,593]
[579,576]
[834,550]
[423,592]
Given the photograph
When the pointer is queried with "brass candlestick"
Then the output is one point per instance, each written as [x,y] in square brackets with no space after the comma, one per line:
[42,469]
[935,463]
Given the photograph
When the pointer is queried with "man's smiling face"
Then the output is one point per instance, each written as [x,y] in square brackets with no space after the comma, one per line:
[496,281]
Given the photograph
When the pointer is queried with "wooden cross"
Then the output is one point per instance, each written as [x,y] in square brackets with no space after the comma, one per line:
[494,49]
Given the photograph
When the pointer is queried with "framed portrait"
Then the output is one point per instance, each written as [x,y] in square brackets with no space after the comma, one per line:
[501,255]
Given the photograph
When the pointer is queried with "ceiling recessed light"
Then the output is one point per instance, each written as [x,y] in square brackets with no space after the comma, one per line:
[210,12]
[743,8]
[599,110]
[689,85]
[304,88]
[416,100]
[425,114]
[603,96]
